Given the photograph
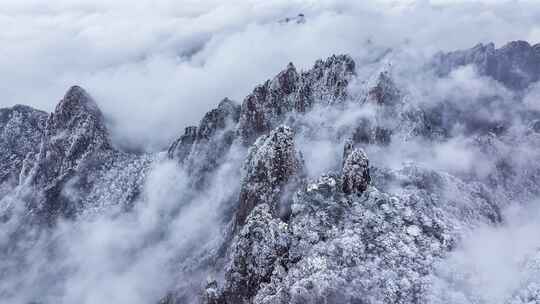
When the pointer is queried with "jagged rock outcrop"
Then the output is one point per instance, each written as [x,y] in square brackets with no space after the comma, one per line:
[260,247]
[21,130]
[290,91]
[226,113]
[365,231]
[201,148]
[516,64]
[384,92]
[68,161]
[74,132]
[396,115]
[511,176]
[216,120]
[349,251]
[263,109]
[383,95]
[181,147]
[341,248]
[273,163]
[356,176]
[75,139]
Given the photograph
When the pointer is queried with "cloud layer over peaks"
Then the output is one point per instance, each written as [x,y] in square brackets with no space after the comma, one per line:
[156,66]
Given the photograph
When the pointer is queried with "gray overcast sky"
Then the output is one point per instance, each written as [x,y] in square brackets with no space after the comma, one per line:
[156,66]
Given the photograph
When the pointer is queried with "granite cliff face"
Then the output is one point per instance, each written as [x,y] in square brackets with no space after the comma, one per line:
[75,139]
[22,128]
[293,92]
[364,231]
[70,164]
[272,164]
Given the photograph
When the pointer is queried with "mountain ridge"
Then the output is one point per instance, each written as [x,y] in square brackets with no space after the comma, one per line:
[362,231]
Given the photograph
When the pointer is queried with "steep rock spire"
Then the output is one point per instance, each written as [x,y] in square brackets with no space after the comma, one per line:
[75,139]
[75,130]
[355,174]
[266,106]
[76,105]
[329,78]
[181,147]
[273,162]
[217,119]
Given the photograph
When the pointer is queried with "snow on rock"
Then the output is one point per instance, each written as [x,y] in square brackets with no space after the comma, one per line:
[516,64]
[75,138]
[356,176]
[336,248]
[181,147]
[259,250]
[413,230]
[21,129]
[72,165]
[272,164]
[291,92]
[201,148]
[362,232]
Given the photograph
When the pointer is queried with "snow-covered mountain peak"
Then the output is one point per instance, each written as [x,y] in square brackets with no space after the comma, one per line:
[274,200]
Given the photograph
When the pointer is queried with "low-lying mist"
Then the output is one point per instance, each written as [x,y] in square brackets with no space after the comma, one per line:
[157,68]
[122,257]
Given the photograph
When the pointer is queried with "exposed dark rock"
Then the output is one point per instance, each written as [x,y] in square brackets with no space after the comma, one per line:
[348,147]
[272,164]
[217,119]
[356,176]
[69,161]
[332,238]
[263,109]
[181,147]
[260,247]
[290,92]
[75,139]
[366,132]
[201,148]
[516,65]
[21,129]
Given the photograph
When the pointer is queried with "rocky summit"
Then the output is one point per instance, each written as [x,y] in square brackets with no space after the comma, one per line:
[321,186]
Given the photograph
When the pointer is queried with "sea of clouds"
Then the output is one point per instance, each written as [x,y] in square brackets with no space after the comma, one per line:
[155,67]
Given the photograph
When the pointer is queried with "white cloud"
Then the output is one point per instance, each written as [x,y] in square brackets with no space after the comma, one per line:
[135,57]
[492,264]
[157,66]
